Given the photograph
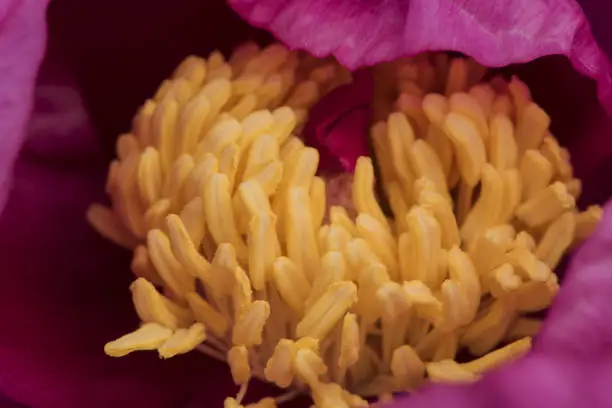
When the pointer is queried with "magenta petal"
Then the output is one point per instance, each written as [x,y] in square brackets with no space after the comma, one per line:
[533,382]
[579,322]
[22,39]
[338,125]
[495,32]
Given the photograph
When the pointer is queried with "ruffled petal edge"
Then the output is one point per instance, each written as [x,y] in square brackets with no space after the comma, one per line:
[360,33]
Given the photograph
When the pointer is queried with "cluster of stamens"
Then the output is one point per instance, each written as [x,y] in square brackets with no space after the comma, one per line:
[238,254]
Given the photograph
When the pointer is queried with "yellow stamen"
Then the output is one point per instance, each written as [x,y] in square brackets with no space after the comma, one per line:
[557,238]
[484,95]
[317,194]
[464,104]
[280,367]
[152,307]
[363,194]
[536,173]
[212,319]
[218,211]
[502,280]
[503,151]
[440,208]
[249,326]
[469,145]
[488,209]
[143,268]
[531,127]
[150,336]
[106,223]
[166,264]
[183,341]
[327,311]
[546,205]
[237,254]
[238,360]
[407,367]
[262,248]
[425,245]
[524,327]
[349,343]
[449,371]
[400,138]
[381,241]
[339,216]
[524,240]
[309,366]
[427,165]
[557,156]
[488,251]
[302,245]
[586,222]
[536,295]
[457,76]
[185,250]
[495,358]
[521,95]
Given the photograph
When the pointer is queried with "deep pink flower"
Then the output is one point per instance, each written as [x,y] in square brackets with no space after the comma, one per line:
[64,290]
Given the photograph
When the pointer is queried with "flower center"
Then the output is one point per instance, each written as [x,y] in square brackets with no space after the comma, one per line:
[243,252]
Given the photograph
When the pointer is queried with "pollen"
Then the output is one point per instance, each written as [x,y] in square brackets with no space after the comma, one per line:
[243,252]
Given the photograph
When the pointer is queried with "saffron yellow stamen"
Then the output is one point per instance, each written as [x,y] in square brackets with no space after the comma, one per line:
[488,209]
[206,314]
[143,268]
[558,157]
[327,311]
[503,152]
[557,238]
[546,205]
[183,341]
[586,222]
[407,367]
[153,307]
[106,222]
[449,371]
[150,336]
[511,180]
[170,270]
[536,173]
[469,146]
[238,360]
[531,127]
[410,103]
[465,104]
[237,255]
[400,138]
[484,95]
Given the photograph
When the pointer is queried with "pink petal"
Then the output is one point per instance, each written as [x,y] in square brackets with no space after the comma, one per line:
[496,33]
[21,47]
[535,381]
[579,322]
[338,125]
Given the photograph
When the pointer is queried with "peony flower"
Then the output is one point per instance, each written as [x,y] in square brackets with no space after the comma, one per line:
[74,74]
